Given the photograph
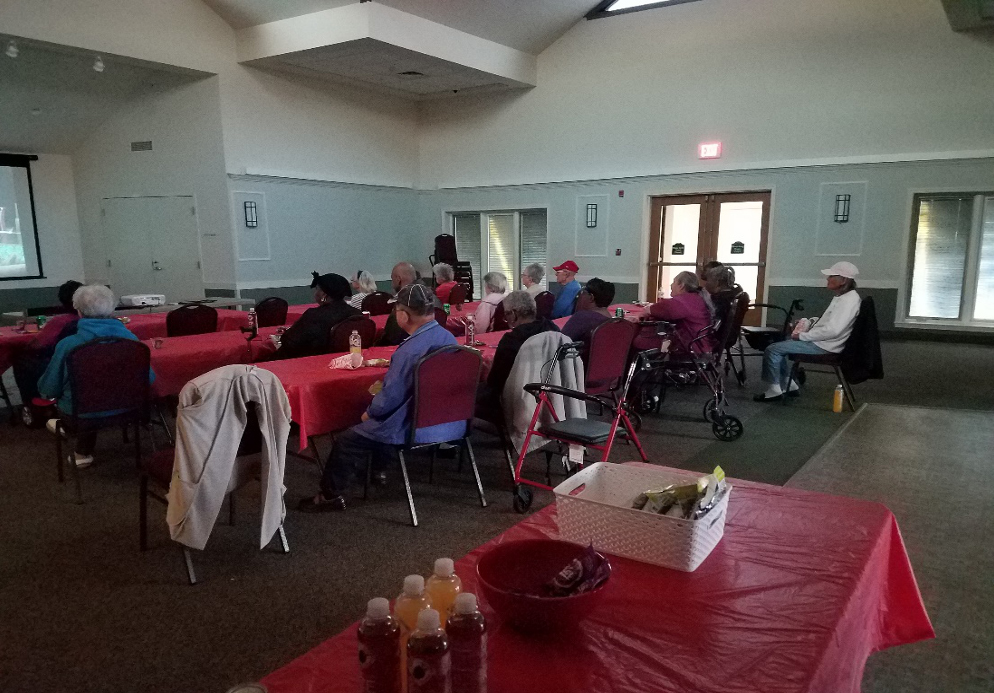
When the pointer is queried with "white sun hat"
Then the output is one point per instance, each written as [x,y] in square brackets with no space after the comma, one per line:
[842,269]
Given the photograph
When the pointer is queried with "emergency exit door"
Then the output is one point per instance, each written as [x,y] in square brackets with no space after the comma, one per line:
[688,231]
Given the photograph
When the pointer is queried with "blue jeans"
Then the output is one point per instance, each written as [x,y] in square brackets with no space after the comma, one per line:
[776,365]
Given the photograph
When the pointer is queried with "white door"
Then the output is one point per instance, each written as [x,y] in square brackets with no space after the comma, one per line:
[154,246]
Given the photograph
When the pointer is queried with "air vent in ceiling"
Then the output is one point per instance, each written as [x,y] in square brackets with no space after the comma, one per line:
[411,73]
[145,146]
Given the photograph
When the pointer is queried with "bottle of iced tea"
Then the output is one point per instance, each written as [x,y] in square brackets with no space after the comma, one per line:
[379,649]
[428,656]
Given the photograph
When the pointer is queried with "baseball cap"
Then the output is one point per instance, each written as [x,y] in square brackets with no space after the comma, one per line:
[842,269]
[418,297]
[569,266]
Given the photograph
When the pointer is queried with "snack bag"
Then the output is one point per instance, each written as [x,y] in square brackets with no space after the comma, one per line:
[348,362]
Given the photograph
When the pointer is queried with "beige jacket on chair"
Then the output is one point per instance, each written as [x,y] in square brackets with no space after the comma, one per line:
[531,365]
[211,419]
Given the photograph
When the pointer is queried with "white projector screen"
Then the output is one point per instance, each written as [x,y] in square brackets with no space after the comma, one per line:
[19,255]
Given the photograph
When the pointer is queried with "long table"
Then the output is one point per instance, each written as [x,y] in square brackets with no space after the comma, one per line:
[799,592]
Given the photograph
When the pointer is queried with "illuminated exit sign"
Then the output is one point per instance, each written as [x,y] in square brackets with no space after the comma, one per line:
[709,150]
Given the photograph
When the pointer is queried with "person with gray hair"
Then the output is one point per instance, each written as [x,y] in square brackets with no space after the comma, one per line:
[522,317]
[363,285]
[719,281]
[494,290]
[403,274]
[95,304]
[445,281]
[531,279]
[688,308]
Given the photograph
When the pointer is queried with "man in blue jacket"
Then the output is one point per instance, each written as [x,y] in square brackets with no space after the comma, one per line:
[566,300]
[95,305]
[387,421]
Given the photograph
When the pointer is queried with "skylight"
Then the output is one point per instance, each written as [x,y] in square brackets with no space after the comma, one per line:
[608,8]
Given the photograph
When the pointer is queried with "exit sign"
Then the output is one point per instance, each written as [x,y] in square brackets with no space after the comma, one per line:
[709,150]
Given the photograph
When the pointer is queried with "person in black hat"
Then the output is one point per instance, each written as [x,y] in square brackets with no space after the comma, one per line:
[309,335]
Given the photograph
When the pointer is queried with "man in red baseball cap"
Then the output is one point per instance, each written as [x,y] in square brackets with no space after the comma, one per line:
[566,300]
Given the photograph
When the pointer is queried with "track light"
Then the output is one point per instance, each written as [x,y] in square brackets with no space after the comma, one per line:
[12,49]
[98,64]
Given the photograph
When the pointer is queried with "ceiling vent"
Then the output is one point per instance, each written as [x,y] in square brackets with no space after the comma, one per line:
[145,146]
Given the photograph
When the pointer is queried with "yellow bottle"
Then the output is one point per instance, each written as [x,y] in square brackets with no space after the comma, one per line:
[837,399]
[443,587]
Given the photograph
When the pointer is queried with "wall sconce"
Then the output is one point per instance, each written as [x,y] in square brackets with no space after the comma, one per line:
[251,215]
[591,216]
[842,208]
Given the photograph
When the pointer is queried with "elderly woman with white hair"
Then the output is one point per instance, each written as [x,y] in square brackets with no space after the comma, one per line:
[531,279]
[445,280]
[495,289]
[95,305]
[363,285]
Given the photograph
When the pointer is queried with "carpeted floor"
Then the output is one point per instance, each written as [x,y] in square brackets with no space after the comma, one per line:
[82,610]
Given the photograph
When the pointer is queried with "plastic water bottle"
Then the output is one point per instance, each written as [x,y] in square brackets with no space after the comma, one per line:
[379,649]
[443,587]
[355,342]
[253,325]
[470,330]
[837,399]
[411,602]
[428,660]
[467,631]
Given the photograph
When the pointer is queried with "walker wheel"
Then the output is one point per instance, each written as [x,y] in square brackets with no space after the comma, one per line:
[522,499]
[711,410]
[635,420]
[727,428]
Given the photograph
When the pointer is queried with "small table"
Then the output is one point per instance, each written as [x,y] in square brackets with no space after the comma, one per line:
[799,592]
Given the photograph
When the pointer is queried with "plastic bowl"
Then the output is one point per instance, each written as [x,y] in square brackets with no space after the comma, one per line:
[510,573]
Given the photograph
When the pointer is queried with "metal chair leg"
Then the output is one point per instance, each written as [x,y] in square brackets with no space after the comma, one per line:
[792,378]
[138,444]
[75,474]
[188,560]
[143,514]
[505,445]
[165,426]
[407,487]
[476,473]
[283,541]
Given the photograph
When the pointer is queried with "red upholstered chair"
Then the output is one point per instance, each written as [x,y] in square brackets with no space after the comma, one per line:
[338,337]
[445,383]
[105,375]
[544,303]
[607,359]
[458,294]
[499,322]
[271,312]
[191,319]
[377,303]
[441,317]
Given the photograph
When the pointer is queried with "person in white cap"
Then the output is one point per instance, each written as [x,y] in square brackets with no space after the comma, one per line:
[827,335]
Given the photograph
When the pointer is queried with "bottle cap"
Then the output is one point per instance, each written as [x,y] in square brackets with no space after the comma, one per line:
[414,585]
[444,567]
[428,620]
[465,603]
[378,608]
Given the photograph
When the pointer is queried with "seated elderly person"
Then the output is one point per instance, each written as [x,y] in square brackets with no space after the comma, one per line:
[95,304]
[827,335]
[30,361]
[387,421]
[688,308]
[591,311]
[566,299]
[445,281]
[494,291]
[363,285]
[719,281]
[403,274]
[531,279]
[309,335]
[522,318]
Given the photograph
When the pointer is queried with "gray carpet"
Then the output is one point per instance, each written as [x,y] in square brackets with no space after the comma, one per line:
[932,468]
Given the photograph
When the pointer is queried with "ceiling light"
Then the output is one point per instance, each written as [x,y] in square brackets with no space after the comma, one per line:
[12,49]
[98,64]
[411,73]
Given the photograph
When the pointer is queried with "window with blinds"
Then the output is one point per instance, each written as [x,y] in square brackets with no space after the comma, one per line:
[505,242]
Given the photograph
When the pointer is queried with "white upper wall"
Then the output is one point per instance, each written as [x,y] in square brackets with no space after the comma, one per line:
[779,82]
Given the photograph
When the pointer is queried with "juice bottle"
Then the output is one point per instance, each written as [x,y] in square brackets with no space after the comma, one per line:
[411,602]
[467,631]
[442,587]
[355,343]
[837,399]
[379,649]
[428,656]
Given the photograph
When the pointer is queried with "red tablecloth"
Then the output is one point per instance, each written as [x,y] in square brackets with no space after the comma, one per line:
[152,325]
[10,341]
[181,359]
[802,588]
[293,314]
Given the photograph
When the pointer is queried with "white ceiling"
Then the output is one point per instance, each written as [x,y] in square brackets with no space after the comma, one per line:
[70,98]
[530,26]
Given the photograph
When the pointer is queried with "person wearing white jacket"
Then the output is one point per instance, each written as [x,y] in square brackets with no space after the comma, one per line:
[827,335]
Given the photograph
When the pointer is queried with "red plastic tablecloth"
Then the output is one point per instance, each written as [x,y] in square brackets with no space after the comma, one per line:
[152,325]
[10,341]
[181,359]
[801,589]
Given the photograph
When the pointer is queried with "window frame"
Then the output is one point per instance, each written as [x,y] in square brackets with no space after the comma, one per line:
[601,11]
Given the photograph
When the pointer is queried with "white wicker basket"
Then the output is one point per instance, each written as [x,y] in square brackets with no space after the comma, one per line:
[594,507]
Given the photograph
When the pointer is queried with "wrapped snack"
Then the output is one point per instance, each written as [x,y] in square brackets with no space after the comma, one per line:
[581,575]
[348,362]
[377,363]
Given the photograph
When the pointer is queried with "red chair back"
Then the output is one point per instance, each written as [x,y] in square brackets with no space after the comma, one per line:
[741,308]
[377,303]
[445,249]
[441,317]
[544,303]
[271,312]
[607,360]
[339,335]
[191,319]
[458,294]
[445,383]
[108,375]
[499,322]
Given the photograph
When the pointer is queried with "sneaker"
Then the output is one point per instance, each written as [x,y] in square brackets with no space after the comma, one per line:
[83,461]
[320,504]
[52,425]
